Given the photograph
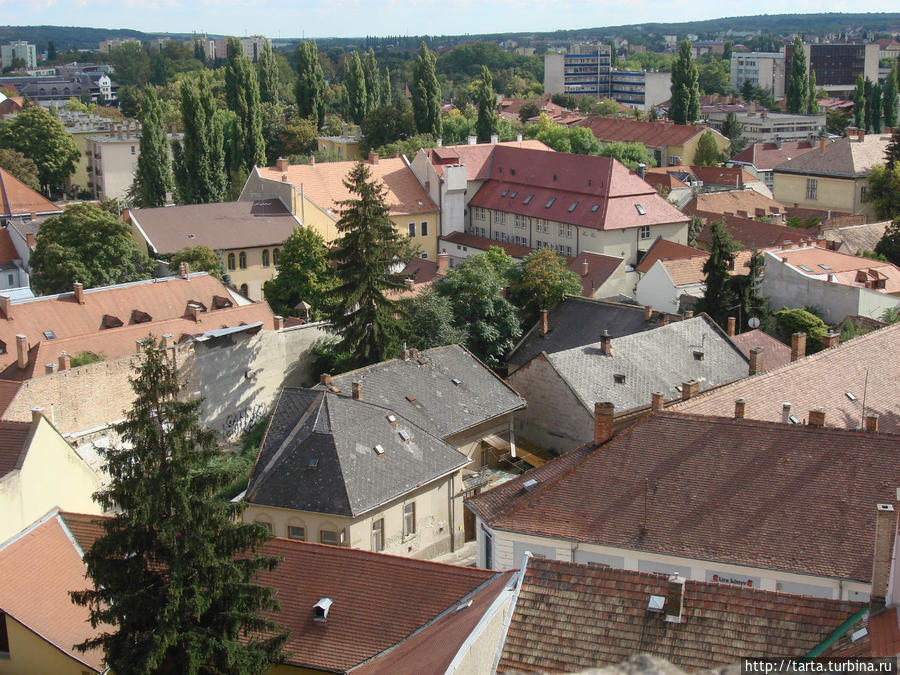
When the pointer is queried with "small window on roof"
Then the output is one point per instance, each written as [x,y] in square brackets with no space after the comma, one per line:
[514,195]
[313,464]
[110,321]
[404,434]
[49,334]
[528,199]
[594,208]
[137,316]
[640,209]
[698,355]
[504,193]
[379,450]
[851,396]
[550,203]
[619,378]
[794,419]
[804,268]
[573,207]
[391,418]
[456,381]
[824,266]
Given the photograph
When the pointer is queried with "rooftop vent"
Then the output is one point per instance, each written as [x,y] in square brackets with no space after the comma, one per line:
[465,605]
[640,209]
[110,321]
[550,203]
[313,464]
[320,610]
[530,484]
[573,207]
[379,450]
[657,603]
[191,235]
[413,401]
[404,435]
[528,199]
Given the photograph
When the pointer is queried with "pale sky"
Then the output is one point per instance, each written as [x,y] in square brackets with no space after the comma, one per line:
[353,18]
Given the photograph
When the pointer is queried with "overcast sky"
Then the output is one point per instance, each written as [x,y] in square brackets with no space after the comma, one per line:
[352,18]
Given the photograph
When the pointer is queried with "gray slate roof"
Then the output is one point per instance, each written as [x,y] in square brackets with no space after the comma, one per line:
[656,360]
[845,157]
[341,433]
[576,322]
[438,404]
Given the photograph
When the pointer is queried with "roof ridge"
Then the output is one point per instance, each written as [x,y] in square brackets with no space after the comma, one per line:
[749,421]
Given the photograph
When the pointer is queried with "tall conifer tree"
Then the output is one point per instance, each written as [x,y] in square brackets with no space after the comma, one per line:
[268,75]
[373,81]
[153,176]
[426,94]
[355,87]
[889,100]
[486,124]
[200,161]
[685,89]
[719,298]
[812,102]
[248,146]
[310,87]
[795,93]
[859,103]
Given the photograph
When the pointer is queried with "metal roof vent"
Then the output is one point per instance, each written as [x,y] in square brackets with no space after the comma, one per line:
[320,610]
[657,603]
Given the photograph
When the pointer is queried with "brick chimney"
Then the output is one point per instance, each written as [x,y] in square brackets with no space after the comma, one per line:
[279,322]
[603,421]
[756,360]
[373,158]
[657,400]
[65,363]
[732,322]
[545,322]
[357,391]
[885,534]
[6,306]
[78,290]
[29,240]
[606,343]
[22,351]
[183,270]
[50,368]
[443,263]
[648,312]
[798,346]
[860,135]
[281,164]
[872,422]
[325,378]
[822,142]
[312,160]
[740,407]
[831,339]
[689,389]
[817,418]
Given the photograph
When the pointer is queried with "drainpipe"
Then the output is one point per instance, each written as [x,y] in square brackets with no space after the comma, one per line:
[836,635]
[451,514]
[302,205]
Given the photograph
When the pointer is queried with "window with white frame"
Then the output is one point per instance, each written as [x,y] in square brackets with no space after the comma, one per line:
[812,188]
[409,519]
[329,537]
[500,217]
[480,213]
[378,534]
[565,230]
[297,532]
[645,231]
[520,221]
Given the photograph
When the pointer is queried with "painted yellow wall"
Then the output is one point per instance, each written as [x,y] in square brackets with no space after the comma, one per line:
[837,194]
[29,653]
[255,274]
[346,149]
[426,244]
[52,475]
[80,176]
[689,149]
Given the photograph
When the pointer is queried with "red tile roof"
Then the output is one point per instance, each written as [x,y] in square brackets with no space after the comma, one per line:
[775,352]
[593,269]
[476,158]
[652,134]
[569,617]
[78,327]
[773,485]
[751,233]
[8,252]
[745,203]
[689,270]
[17,199]
[849,270]
[12,445]
[38,569]
[662,249]
[766,156]
[517,251]
[8,391]
[884,634]
[595,192]
[860,366]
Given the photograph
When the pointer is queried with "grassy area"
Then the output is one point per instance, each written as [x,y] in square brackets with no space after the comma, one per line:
[240,463]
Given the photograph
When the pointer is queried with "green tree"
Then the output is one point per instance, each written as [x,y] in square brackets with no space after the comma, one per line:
[486,125]
[426,94]
[729,47]
[174,573]
[153,176]
[310,87]
[303,273]
[132,63]
[298,137]
[892,152]
[385,125]
[695,227]
[355,84]
[242,95]
[796,86]
[837,121]
[790,321]
[718,298]
[21,167]
[685,103]
[889,101]
[364,256]
[884,191]
[859,102]
[199,164]
[129,98]
[88,245]
[734,131]
[713,75]
[873,108]
[475,292]
[812,100]
[199,259]
[51,51]
[630,153]
[429,321]
[748,295]
[543,281]
[268,75]
[43,139]
[385,87]
[373,81]
[707,153]
[889,244]
[528,110]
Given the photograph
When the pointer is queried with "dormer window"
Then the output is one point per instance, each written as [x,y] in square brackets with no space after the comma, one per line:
[220,302]
[110,321]
[321,609]
[137,316]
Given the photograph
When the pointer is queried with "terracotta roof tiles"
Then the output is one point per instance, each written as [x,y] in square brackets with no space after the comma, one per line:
[12,445]
[850,270]
[775,352]
[766,156]
[745,203]
[17,199]
[652,134]
[662,249]
[8,252]
[751,233]
[476,158]
[593,269]
[517,251]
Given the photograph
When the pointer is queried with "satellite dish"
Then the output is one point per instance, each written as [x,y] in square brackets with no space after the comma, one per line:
[753,322]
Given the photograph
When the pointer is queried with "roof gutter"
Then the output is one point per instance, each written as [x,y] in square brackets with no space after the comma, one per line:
[836,635]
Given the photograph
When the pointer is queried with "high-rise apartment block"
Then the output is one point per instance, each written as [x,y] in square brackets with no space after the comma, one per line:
[762,69]
[18,50]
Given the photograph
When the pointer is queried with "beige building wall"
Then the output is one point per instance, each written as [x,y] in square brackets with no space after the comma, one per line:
[346,148]
[836,194]
[114,163]
[259,267]
[80,177]
[52,475]
[30,653]
[688,151]
[438,511]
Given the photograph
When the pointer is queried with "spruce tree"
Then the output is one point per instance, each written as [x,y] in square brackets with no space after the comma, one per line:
[859,102]
[426,94]
[685,104]
[734,130]
[486,124]
[797,82]
[173,574]
[812,101]
[355,87]
[373,81]
[889,100]
[267,75]
[310,87]
[200,161]
[718,298]
[153,177]
[364,256]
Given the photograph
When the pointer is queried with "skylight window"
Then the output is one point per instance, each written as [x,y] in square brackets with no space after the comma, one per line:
[514,195]
[391,419]
[794,419]
[619,378]
[49,334]
[379,450]
[640,209]
[528,199]
[313,464]
[530,484]
[804,268]
[850,396]
[573,207]
[404,435]
[698,355]
[504,193]
[550,203]
[824,266]
[456,381]
[594,208]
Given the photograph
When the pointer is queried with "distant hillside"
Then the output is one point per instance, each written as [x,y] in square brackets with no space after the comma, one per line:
[67,37]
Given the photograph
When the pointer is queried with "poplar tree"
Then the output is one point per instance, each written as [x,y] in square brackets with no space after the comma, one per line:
[174,572]
[200,160]
[364,257]
[355,88]
[812,102]
[373,81]
[310,87]
[153,176]
[685,89]
[486,124]
[426,94]
[248,144]
[889,101]
[268,75]
[796,87]
[859,102]
[876,107]
[872,105]
[386,87]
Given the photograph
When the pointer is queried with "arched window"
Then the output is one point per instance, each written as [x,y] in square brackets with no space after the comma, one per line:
[275,256]
[244,291]
[265,257]
[242,260]
[231,261]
